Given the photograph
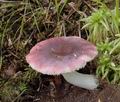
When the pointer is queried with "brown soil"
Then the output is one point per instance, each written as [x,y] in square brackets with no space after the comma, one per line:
[52,89]
[46,93]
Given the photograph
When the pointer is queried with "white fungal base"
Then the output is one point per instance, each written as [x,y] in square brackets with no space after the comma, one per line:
[86,81]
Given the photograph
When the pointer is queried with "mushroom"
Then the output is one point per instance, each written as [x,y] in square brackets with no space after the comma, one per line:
[64,55]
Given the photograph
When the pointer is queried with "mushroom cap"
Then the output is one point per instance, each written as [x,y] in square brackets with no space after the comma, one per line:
[61,55]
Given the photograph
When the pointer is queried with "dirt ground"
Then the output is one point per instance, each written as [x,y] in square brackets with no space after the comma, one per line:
[44,89]
[106,93]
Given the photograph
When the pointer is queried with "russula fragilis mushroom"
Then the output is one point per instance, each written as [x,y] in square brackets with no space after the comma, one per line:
[64,55]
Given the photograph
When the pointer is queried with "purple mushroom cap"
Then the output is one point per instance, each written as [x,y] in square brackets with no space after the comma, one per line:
[61,55]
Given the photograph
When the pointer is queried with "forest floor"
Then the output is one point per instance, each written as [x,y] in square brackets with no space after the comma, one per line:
[21,31]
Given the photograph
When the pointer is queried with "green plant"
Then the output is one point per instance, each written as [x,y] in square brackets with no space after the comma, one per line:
[29,74]
[104,30]
[59,6]
[108,62]
[103,23]
[116,45]
[19,21]
[11,89]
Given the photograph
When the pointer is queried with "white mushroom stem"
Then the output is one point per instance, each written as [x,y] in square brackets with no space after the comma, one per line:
[86,81]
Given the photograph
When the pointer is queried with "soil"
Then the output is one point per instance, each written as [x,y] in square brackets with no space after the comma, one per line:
[47,90]
[107,93]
